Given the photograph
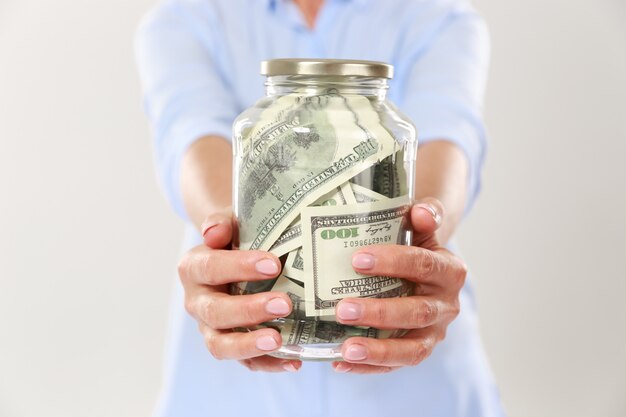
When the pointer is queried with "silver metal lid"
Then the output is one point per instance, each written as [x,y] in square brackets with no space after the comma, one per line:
[347,67]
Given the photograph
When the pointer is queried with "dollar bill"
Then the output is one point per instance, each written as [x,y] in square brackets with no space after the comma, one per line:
[330,238]
[294,265]
[290,238]
[316,332]
[297,328]
[365,195]
[252,287]
[388,177]
[310,332]
[274,114]
[295,291]
[319,144]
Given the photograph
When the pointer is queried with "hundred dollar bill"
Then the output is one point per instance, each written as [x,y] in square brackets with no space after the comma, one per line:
[297,328]
[294,272]
[294,265]
[274,115]
[330,238]
[365,195]
[388,177]
[252,287]
[341,196]
[295,291]
[310,332]
[295,162]
[290,238]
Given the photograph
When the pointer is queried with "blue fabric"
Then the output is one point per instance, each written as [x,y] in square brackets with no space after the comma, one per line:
[199,61]
[199,66]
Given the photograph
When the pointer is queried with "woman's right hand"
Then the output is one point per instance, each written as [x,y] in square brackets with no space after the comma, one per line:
[206,272]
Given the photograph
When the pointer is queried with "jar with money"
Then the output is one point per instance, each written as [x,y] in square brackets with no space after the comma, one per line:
[323,166]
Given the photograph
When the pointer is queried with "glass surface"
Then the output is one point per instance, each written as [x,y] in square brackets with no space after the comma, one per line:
[322,166]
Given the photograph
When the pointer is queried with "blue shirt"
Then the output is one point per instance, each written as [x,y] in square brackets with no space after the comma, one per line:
[199,67]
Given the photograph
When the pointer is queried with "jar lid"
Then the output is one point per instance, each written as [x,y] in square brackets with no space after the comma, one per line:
[347,67]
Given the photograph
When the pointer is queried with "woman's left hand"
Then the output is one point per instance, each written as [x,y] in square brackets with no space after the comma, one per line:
[438,276]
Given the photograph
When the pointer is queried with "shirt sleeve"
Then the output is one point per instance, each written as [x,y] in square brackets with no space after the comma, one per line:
[185,93]
[445,83]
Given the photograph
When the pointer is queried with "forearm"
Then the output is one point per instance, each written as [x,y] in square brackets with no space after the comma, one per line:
[441,172]
[206,177]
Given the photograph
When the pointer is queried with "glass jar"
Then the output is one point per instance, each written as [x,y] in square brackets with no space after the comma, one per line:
[323,165]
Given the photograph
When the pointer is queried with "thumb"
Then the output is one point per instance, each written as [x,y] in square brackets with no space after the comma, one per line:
[426,217]
[217,229]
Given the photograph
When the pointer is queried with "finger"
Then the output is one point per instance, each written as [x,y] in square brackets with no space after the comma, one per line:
[217,230]
[413,263]
[361,368]
[426,216]
[217,267]
[270,364]
[407,351]
[222,311]
[239,345]
[393,313]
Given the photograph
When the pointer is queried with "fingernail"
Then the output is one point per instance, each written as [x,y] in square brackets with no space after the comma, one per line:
[267,267]
[355,353]
[431,210]
[277,307]
[266,343]
[288,366]
[207,228]
[343,367]
[363,261]
[349,311]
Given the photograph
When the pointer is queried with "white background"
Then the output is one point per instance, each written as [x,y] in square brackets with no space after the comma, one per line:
[88,247]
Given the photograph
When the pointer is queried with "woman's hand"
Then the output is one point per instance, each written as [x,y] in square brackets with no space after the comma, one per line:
[438,276]
[206,271]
